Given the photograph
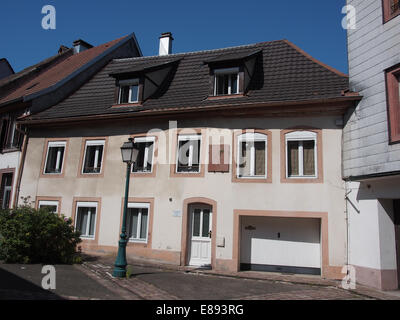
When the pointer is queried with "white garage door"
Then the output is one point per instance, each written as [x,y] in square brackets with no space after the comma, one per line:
[280,244]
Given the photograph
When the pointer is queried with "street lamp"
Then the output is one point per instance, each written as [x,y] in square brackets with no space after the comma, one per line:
[129,155]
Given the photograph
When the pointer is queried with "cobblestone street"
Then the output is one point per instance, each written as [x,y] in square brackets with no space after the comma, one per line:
[155,284]
[93,281]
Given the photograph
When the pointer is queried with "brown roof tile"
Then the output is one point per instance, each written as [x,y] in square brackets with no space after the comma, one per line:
[58,72]
[284,73]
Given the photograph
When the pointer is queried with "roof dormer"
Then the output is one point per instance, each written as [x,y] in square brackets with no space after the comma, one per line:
[141,82]
[231,74]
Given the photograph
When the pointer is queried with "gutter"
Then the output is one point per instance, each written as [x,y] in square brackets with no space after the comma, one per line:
[19,99]
[171,111]
[83,68]
[373,176]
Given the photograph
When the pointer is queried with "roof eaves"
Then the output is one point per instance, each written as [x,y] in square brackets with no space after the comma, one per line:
[81,69]
[135,113]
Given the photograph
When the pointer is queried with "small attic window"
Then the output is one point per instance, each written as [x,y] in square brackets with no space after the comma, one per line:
[128,91]
[226,81]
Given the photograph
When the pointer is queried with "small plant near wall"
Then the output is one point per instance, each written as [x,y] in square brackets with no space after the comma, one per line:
[28,235]
[128,271]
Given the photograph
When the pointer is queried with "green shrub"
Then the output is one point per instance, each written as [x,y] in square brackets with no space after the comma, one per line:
[37,236]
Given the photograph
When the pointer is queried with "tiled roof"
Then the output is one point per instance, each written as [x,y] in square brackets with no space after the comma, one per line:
[35,69]
[284,73]
[56,73]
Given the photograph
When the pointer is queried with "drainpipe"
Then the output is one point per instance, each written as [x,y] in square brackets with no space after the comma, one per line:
[21,166]
[347,224]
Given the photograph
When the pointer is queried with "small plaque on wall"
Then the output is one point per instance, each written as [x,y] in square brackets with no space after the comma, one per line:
[177,213]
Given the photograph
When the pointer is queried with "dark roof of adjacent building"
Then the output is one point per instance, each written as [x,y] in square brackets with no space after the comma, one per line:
[31,71]
[283,73]
[5,68]
[54,71]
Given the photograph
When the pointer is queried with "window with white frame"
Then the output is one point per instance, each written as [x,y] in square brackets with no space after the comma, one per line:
[54,157]
[138,221]
[85,221]
[144,162]
[188,157]
[93,158]
[301,154]
[5,189]
[129,91]
[226,81]
[252,155]
[52,206]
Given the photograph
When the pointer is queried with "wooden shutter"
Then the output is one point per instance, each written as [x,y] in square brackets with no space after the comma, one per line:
[217,155]
[116,95]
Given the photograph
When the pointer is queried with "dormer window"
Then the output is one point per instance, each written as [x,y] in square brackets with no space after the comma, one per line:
[226,81]
[231,73]
[129,91]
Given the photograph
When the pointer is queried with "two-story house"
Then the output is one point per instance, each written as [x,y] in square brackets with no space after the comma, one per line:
[40,86]
[239,163]
[371,149]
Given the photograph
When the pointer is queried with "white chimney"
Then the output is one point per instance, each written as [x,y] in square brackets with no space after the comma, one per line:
[165,43]
[81,45]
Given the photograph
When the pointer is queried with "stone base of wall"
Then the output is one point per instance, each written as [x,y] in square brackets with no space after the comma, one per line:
[375,278]
[333,273]
[226,265]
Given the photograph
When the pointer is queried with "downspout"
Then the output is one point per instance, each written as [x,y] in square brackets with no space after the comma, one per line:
[21,167]
[347,224]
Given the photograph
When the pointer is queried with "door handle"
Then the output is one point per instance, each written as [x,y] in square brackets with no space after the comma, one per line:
[209,234]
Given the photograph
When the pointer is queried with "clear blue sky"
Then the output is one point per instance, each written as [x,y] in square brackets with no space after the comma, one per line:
[313,25]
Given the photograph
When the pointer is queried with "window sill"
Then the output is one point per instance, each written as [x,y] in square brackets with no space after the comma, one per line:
[86,238]
[144,174]
[87,175]
[189,174]
[226,96]
[127,105]
[302,180]
[251,179]
[137,241]
[9,150]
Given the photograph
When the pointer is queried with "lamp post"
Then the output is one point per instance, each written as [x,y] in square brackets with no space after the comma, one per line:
[129,155]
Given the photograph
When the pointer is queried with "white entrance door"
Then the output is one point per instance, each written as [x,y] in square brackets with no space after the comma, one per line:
[200,232]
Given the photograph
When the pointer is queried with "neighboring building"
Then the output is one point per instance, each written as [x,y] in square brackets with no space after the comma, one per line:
[38,87]
[268,116]
[5,68]
[371,149]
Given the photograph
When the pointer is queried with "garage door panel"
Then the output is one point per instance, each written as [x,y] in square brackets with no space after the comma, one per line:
[289,253]
[293,242]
